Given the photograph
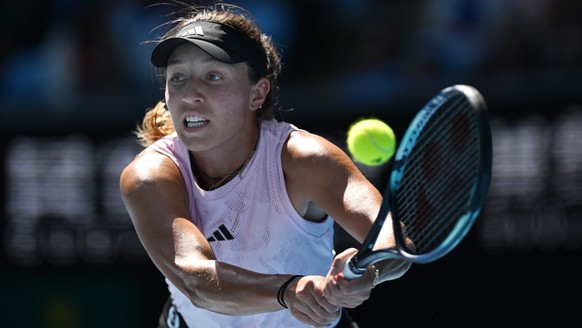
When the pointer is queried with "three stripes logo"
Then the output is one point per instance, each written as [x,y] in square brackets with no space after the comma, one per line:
[196,30]
[221,234]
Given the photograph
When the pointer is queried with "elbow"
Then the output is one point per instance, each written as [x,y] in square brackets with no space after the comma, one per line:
[196,281]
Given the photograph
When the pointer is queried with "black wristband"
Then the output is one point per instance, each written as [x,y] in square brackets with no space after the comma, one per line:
[280,297]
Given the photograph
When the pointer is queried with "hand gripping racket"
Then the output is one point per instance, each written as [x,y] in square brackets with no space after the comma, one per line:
[438,183]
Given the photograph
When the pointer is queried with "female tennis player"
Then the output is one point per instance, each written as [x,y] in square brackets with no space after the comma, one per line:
[235,208]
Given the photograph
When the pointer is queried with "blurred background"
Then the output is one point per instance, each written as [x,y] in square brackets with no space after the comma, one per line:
[75,80]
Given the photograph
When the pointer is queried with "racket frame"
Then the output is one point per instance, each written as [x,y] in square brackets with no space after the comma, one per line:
[366,255]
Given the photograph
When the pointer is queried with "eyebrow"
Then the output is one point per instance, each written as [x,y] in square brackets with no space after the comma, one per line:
[173,62]
[208,59]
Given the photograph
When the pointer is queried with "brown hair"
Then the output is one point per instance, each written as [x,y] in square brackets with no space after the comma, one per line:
[157,121]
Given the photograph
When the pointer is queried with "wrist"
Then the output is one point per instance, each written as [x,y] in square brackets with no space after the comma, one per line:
[283,288]
[375,274]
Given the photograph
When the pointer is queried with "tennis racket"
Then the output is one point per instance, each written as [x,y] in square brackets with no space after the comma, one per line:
[439,180]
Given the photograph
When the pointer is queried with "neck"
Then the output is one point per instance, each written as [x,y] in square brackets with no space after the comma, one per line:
[214,181]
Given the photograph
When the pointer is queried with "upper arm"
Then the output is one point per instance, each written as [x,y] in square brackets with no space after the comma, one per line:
[316,170]
[155,196]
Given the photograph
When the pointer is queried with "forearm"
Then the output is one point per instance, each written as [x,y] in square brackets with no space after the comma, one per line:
[389,269]
[227,289]
[393,268]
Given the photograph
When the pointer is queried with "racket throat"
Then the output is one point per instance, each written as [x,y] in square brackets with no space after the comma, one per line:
[352,265]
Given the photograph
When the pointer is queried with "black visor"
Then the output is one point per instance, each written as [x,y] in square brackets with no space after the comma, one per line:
[220,41]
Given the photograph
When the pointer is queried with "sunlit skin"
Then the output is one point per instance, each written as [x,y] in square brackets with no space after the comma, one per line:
[220,101]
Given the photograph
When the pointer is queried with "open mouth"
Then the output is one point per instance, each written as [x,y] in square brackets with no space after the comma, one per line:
[194,121]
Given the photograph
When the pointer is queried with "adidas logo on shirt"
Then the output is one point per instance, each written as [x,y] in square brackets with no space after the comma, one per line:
[221,234]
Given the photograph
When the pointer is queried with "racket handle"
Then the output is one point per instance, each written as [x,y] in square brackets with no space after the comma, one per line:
[350,270]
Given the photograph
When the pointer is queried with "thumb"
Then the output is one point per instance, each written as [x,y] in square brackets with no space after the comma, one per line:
[340,260]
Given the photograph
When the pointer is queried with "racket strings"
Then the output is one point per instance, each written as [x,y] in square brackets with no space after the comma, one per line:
[450,193]
[439,175]
[447,197]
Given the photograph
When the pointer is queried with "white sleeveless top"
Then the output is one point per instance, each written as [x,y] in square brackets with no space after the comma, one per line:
[251,223]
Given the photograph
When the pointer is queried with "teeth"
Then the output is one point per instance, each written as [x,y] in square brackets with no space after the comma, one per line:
[194,121]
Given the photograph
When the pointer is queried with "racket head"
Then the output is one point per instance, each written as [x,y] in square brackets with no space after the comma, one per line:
[441,174]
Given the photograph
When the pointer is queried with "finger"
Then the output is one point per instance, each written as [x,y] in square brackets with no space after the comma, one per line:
[336,267]
[309,315]
[346,286]
[322,301]
[339,261]
[313,304]
[361,285]
[332,293]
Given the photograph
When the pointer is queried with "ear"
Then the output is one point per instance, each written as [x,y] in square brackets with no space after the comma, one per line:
[260,91]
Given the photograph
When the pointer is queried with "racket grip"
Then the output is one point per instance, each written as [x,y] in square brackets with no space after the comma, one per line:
[350,271]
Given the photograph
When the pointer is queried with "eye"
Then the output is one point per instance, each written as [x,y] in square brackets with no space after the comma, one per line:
[213,77]
[176,79]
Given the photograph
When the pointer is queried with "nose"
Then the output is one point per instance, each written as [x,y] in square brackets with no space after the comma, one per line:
[192,95]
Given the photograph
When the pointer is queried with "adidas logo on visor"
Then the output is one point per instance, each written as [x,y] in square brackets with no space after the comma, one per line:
[196,30]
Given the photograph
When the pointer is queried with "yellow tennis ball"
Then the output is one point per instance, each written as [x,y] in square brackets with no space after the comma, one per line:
[371,142]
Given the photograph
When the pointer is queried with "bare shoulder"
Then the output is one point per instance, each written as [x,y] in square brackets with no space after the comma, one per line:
[312,162]
[149,168]
[307,154]
[320,174]
[304,145]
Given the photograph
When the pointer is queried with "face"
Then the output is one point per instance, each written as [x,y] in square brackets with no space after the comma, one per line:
[212,104]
